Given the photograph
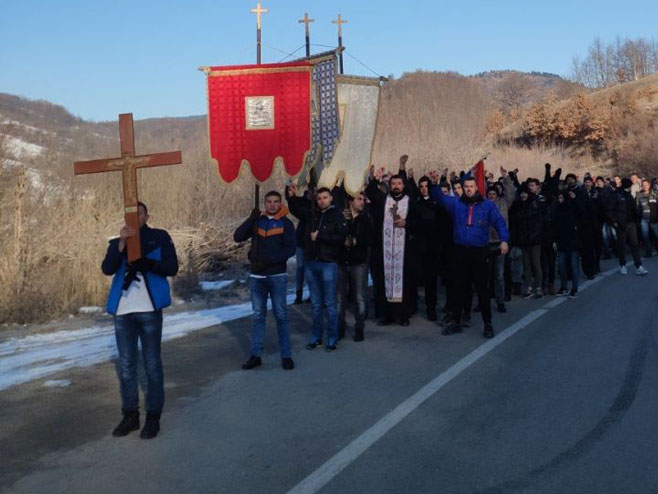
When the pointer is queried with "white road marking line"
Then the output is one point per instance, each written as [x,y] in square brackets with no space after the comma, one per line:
[318,479]
[341,460]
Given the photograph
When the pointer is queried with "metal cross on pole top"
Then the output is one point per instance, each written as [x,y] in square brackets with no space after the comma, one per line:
[307,20]
[259,11]
[340,21]
[128,165]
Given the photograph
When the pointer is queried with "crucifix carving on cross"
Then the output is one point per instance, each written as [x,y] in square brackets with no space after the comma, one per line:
[128,164]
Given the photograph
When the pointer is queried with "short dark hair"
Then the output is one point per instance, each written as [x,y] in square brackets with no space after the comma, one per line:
[424,178]
[321,190]
[273,193]
[588,178]
[534,181]
[140,203]
[468,179]
[350,198]
[397,175]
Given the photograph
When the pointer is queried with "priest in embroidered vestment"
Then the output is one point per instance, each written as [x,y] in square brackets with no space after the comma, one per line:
[397,223]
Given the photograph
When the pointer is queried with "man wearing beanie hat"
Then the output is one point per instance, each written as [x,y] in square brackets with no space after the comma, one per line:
[621,212]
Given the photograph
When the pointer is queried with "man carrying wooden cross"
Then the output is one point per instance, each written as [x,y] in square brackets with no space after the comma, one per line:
[140,260]
[138,293]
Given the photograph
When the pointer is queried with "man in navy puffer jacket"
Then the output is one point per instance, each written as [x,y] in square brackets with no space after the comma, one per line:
[272,243]
[472,216]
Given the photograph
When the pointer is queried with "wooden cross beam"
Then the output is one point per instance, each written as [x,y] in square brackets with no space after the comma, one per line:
[306,20]
[258,11]
[128,165]
[340,21]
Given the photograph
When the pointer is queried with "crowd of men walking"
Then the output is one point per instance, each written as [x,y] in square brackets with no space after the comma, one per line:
[514,239]
[509,239]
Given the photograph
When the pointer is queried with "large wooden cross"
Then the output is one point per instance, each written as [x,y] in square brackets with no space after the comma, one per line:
[128,165]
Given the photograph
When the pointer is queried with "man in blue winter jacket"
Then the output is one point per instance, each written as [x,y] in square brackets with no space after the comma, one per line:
[138,293]
[272,243]
[472,216]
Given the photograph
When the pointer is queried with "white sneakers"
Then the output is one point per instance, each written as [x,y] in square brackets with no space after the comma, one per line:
[640,271]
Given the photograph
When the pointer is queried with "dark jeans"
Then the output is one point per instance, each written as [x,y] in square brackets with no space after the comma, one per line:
[472,266]
[322,279]
[532,267]
[588,242]
[147,327]
[430,278]
[649,235]
[569,267]
[628,235]
[547,264]
[275,287]
[299,269]
[498,275]
[354,279]
[377,273]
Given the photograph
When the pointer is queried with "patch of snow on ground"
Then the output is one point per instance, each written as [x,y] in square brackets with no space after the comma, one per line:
[207,286]
[92,309]
[57,383]
[36,356]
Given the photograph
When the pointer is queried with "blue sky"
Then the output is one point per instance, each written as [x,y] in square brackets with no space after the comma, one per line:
[100,58]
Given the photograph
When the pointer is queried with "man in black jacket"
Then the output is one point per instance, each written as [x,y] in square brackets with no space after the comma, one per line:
[428,242]
[622,213]
[324,235]
[353,265]
[272,243]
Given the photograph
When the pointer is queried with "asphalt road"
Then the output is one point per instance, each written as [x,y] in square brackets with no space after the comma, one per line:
[563,400]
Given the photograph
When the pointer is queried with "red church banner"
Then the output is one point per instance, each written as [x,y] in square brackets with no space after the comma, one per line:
[258,113]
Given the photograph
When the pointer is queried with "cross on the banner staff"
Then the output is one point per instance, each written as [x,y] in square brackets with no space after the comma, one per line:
[128,165]
[307,20]
[258,11]
[340,21]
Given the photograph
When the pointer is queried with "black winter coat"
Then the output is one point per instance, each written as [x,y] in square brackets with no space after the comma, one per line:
[526,222]
[565,226]
[330,225]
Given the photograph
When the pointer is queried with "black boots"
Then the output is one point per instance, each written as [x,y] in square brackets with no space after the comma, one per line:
[287,363]
[298,297]
[129,423]
[151,426]
[252,363]
[488,331]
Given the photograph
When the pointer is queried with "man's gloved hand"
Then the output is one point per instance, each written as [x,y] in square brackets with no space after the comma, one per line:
[255,214]
[143,264]
[130,276]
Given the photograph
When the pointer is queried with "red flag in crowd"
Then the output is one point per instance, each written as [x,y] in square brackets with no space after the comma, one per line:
[479,178]
[258,113]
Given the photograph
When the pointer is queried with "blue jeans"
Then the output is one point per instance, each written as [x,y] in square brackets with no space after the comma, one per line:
[299,269]
[569,268]
[609,237]
[321,278]
[147,327]
[646,234]
[276,287]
